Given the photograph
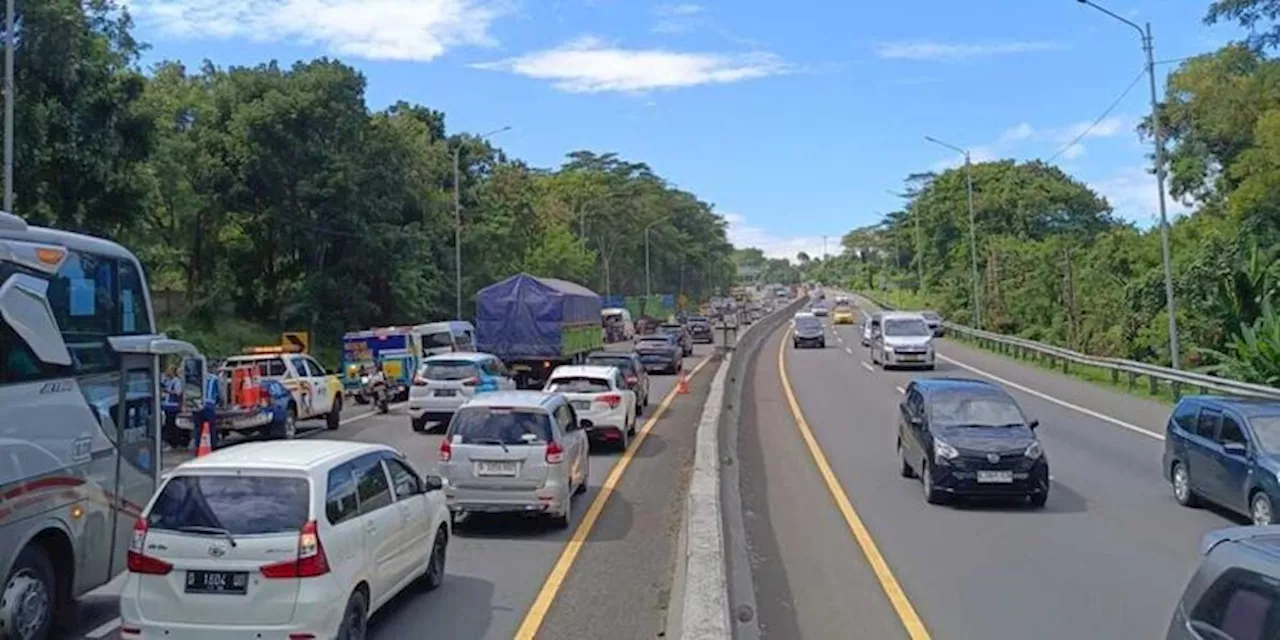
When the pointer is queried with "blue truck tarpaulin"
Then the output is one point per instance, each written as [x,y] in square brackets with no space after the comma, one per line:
[524,315]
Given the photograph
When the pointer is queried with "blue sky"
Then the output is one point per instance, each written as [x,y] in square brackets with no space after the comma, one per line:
[792,118]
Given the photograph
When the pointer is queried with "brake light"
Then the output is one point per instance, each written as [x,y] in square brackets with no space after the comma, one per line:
[611,399]
[632,379]
[446,451]
[311,560]
[555,453]
[419,381]
[140,562]
[473,381]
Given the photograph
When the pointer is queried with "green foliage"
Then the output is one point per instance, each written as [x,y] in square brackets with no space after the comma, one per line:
[1254,353]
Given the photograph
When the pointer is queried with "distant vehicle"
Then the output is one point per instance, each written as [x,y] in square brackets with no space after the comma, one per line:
[807,330]
[700,330]
[842,314]
[633,372]
[903,340]
[316,393]
[537,324]
[819,308]
[870,325]
[660,353]
[516,452]
[445,382]
[618,324]
[606,409]
[681,333]
[969,438]
[1225,451]
[934,320]
[1235,590]
[271,538]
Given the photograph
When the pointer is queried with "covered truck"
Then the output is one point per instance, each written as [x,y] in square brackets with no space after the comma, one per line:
[536,324]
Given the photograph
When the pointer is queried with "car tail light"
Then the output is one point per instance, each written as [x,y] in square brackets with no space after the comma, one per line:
[473,381]
[611,399]
[446,451]
[555,453]
[632,380]
[419,381]
[311,560]
[140,562]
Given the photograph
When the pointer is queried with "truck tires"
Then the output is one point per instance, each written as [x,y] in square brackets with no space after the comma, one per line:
[334,419]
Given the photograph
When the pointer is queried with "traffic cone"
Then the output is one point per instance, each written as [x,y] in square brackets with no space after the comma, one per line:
[206,445]
[682,387]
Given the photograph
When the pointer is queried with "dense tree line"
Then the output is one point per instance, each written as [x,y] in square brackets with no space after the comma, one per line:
[1055,265]
[275,194]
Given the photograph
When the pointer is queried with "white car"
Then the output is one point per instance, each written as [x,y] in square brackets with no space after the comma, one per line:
[445,382]
[600,398]
[284,539]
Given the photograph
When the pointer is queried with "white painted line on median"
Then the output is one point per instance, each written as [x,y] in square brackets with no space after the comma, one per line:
[1062,403]
[901,390]
[867,366]
[102,630]
[848,350]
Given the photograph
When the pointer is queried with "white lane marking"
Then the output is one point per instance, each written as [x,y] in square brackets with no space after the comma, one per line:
[102,630]
[867,366]
[901,390]
[368,415]
[1062,403]
[848,350]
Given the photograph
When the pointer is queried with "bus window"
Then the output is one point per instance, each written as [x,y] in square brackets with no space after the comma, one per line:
[83,298]
[134,319]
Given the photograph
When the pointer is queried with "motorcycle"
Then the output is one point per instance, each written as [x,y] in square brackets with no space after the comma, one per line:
[373,389]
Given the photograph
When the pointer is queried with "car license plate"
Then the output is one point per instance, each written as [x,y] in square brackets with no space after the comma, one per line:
[495,468]
[995,477]
[446,393]
[235,583]
[521,367]
[581,405]
[911,357]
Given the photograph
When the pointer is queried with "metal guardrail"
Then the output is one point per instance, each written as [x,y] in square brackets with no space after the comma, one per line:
[1132,370]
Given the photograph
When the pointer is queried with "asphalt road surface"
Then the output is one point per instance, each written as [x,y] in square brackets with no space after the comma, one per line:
[1106,558]
[512,577]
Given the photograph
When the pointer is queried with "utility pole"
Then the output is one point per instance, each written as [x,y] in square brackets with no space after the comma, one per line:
[973,233]
[10,41]
[457,221]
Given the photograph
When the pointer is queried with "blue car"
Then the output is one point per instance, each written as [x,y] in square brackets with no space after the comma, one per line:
[284,422]
[1225,451]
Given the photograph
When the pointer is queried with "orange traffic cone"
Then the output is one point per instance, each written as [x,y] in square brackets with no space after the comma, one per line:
[682,387]
[206,445]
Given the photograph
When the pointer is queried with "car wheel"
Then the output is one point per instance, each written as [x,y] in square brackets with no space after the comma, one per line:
[334,419]
[1038,500]
[434,577]
[624,440]
[564,520]
[931,493]
[906,470]
[419,424]
[289,428]
[28,596]
[632,429]
[646,397]
[355,619]
[1260,510]
[1182,491]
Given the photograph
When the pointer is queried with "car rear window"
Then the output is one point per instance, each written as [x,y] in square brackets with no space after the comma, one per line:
[699,319]
[578,384]
[268,368]
[450,370]
[653,343]
[808,323]
[622,362]
[496,425]
[240,504]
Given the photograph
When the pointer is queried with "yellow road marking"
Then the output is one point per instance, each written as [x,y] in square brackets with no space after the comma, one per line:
[547,595]
[897,597]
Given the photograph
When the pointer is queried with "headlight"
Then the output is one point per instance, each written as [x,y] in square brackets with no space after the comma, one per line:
[1033,451]
[889,348]
[944,451]
[364,379]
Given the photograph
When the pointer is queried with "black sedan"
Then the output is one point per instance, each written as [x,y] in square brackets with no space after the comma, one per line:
[700,330]
[969,438]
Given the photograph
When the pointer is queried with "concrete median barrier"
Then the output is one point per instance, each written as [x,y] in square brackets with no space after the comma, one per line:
[713,598]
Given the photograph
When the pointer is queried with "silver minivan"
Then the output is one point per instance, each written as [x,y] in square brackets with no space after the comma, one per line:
[515,452]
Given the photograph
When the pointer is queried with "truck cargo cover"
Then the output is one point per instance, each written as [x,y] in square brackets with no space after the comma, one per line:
[524,315]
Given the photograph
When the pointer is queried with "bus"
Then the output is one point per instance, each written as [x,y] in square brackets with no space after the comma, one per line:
[79,417]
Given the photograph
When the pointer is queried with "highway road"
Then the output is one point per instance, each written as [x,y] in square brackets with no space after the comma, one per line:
[844,547]
[609,577]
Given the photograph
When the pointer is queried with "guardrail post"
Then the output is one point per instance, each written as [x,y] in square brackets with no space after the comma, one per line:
[1153,385]
[1133,378]
[1066,365]
[1115,376]
[1176,387]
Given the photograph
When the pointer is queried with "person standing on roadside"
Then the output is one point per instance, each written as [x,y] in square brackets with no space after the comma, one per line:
[171,404]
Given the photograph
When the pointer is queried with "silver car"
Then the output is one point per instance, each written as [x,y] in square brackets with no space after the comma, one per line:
[515,452]
[1236,589]
[870,324]
[902,340]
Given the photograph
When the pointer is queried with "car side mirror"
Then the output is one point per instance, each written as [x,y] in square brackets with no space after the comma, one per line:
[432,483]
[1235,448]
[1033,424]
[917,421]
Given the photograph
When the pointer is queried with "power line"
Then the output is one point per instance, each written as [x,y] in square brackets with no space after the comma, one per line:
[1115,103]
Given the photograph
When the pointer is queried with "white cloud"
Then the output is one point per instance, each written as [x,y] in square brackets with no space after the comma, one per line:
[954,52]
[417,30]
[1074,151]
[686,9]
[742,235]
[678,18]
[1132,193]
[1023,131]
[588,65]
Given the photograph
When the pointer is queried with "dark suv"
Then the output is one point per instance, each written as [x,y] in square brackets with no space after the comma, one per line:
[1234,592]
[1225,451]
[700,330]
[681,334]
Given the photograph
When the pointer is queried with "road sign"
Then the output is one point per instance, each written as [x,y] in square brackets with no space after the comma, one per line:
[300,340]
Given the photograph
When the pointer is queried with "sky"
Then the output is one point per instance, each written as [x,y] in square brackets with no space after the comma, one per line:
[796,120]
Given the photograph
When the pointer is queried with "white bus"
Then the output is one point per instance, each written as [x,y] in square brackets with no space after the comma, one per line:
[79,417]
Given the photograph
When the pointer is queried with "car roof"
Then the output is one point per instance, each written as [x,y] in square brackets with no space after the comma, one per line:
[1245,406]
[901,315]
[804,314]
[528,399]
[281,454]
[584,370]
[469,356]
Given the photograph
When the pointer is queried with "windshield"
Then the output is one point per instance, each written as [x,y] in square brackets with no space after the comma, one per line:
[493,425]
[449,370]
[808,324]
[906,327]
[240,504]
[1267,430]
[956,410]
[671,329]
[578,384]
[437,340]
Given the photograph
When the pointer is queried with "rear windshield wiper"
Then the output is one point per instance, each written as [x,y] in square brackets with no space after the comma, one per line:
[497,441]
[217,531]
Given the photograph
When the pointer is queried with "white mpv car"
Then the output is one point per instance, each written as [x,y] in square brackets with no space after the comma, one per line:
[601,399]
[282,540]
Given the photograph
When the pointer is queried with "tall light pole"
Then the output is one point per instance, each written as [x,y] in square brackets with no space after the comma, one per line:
[1148,47]
[10,40]
[915,219]
[647,282]
[973,233]
[457,220]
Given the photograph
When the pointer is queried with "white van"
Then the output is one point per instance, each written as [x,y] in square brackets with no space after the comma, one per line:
[620,316]
[446,337]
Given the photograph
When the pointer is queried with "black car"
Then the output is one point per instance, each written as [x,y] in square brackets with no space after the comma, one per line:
[633,372]
[700,330]
[681,334]
[807,330]
[969,438]
[660,353]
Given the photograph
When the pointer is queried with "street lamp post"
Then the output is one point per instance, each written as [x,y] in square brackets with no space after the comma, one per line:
[1148,48]
[647,281]
[915,220]
[973,233]
[457,221]
[10,39]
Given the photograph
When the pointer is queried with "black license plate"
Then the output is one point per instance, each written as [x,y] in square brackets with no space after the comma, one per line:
[233,583]
[446,393]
